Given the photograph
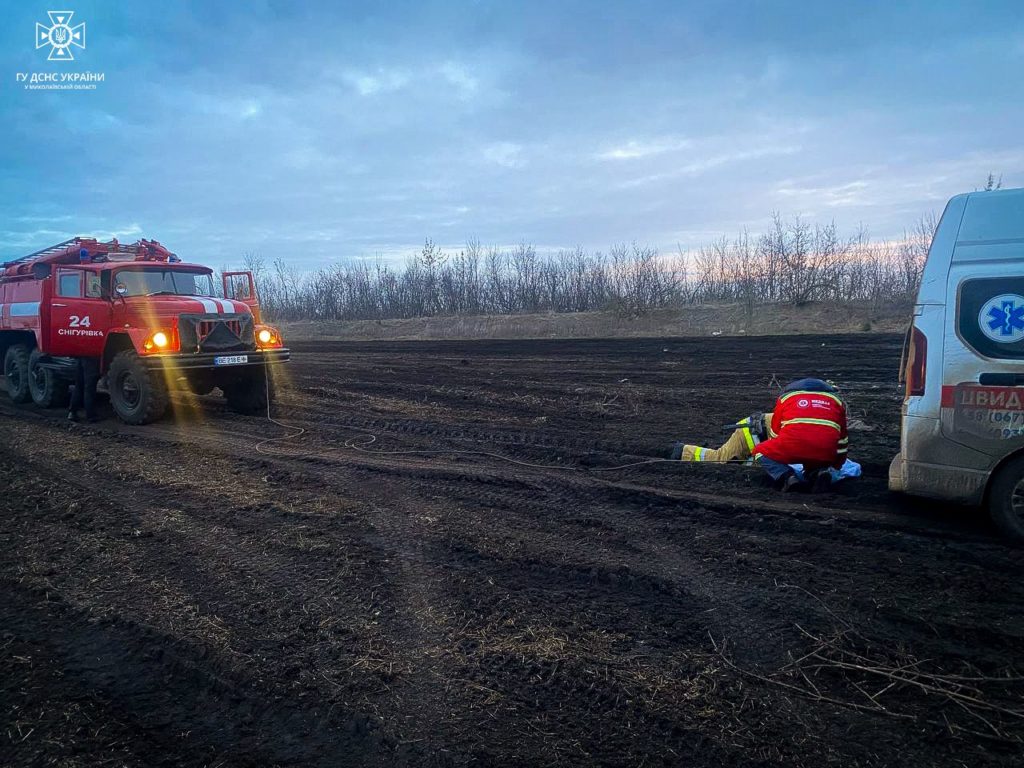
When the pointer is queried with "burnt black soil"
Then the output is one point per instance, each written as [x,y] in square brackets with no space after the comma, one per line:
[183,594]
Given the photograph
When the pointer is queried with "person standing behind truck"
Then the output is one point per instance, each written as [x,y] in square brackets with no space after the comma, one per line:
[807,426]
[83,391]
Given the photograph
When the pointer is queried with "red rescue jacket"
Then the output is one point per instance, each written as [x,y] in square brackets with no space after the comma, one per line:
[807,428]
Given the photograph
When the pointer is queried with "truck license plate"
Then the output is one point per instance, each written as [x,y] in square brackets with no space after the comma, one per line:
[231,360]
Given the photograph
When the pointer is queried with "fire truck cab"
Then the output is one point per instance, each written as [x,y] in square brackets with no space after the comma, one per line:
[151,322]
[963,415]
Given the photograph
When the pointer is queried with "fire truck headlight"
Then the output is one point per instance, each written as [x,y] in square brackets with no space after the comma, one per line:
[156,341]
[268,337]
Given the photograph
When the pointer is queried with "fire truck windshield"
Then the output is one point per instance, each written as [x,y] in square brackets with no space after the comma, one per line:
[153,282]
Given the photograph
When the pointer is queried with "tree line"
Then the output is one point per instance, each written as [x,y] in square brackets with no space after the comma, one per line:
[793,262]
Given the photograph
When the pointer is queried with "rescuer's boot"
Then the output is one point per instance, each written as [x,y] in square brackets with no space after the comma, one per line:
[819,481]
[792,483]
[693,453]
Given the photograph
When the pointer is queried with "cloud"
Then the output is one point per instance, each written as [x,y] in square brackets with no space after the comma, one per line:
[460,77]
[20,242]
[636,149]
[125,232]
[250,108]
[837,195]
[457,78]
[380,81]
[505,154]
[873,188]
[187,99]
[705,163]
[649,123]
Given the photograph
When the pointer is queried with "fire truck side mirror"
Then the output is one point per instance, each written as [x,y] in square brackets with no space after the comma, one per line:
[40,271]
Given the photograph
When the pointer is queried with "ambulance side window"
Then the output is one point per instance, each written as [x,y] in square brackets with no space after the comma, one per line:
[990,316]
[69,284]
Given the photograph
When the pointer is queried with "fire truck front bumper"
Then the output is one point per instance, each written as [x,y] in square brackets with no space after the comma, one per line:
[216,361]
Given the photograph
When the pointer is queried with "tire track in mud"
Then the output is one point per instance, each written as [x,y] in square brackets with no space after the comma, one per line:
[320,604]
[537,498]
[412,595]
[672,498]
[137,680]
[223,613]
[614,504]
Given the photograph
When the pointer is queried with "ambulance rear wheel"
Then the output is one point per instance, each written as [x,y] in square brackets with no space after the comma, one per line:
[1006,499]
[16,373]
[138,394]
[47,388]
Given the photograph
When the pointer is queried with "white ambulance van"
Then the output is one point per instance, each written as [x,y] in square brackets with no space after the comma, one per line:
[962,436]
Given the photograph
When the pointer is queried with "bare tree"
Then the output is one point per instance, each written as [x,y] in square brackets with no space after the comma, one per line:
[791,262]
[992,183]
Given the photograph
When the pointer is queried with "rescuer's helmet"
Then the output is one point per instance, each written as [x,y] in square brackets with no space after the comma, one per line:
[809,385]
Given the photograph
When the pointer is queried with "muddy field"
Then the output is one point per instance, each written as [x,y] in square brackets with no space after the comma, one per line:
[204,592]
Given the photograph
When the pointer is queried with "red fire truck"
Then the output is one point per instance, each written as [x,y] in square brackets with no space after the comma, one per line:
[151,322]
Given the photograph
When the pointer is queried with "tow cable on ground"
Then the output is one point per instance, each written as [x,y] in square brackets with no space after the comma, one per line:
[369,438]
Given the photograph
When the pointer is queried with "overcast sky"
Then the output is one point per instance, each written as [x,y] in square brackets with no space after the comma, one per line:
[325,131]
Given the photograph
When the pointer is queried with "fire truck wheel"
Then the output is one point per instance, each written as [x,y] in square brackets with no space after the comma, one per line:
[16,373]
[138,394]
[1006,499]
[248,394]
[48,389]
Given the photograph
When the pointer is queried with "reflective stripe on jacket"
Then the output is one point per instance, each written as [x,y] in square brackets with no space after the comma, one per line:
[807,427]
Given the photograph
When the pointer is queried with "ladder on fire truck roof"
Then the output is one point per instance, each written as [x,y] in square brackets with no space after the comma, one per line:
[141,247]
[52,250]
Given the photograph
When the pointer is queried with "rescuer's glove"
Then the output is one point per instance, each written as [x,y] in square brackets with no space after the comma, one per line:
[757,426]
[754,423]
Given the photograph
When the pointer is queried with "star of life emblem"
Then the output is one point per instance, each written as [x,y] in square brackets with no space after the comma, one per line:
[1002,318]
[60,35]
